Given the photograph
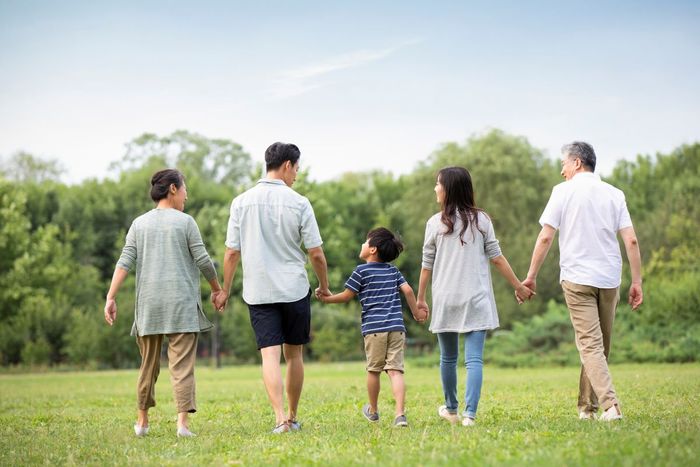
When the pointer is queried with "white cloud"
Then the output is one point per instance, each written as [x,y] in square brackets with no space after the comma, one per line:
[301,80]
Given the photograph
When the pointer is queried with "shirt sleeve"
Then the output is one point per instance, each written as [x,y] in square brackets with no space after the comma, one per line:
[624,219]
[429,247]
[399,278]
[354,282]
[198,251]
[552,212]
[233,232]
[128,257]
[310,234]
[491,245]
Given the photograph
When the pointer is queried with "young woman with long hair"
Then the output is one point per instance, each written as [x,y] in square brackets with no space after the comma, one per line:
[459,245]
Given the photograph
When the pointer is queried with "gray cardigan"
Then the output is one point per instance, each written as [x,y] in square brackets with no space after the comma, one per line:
[167,249]
[462,292]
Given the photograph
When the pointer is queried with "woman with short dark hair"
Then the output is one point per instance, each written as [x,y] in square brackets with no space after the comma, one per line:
[166,248]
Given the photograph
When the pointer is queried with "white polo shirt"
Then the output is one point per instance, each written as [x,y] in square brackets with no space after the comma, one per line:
[268,224]
[588,213]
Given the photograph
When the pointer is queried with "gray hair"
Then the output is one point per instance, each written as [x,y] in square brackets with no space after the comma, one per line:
[580,150]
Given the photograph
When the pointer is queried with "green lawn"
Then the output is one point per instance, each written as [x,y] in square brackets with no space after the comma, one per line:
[525,417]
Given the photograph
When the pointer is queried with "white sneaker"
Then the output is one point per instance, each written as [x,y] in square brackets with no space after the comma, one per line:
[450,417]
[613,413]
[140,430]
[183,432]
[468,421]
[587,415]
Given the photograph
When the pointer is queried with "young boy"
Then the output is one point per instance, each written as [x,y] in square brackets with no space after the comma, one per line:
[377,282]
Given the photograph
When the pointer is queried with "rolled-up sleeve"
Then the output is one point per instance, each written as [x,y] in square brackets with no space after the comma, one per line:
[491,245]
[198,251]
[310,234]
[127,260]
[233,232]
[429,247]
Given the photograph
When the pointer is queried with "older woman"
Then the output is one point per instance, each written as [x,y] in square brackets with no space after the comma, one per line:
[167,250]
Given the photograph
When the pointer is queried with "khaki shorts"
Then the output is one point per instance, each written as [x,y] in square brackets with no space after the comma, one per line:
[384,351]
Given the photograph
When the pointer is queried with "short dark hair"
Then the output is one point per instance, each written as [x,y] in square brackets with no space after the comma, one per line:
[161,181]
[581,150]
[279,153]
[388,245]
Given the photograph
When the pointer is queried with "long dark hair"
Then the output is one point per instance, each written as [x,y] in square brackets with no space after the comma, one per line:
[458,200]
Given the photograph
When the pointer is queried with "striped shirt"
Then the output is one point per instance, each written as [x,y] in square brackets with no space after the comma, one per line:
[377,285]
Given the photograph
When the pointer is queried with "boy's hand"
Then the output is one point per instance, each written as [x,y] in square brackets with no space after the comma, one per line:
[322,293]
[420,316]
[422,313]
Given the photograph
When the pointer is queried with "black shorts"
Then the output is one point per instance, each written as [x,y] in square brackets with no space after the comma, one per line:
[281,323]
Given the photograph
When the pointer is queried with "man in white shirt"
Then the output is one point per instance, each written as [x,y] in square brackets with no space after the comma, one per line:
[589,214]
[267,226]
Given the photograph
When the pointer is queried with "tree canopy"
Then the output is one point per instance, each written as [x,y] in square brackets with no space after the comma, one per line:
[59,244]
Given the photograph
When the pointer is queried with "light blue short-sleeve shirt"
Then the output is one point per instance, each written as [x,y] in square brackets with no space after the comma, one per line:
[268,224]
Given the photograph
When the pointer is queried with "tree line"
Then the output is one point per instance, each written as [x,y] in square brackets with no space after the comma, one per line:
[59,244]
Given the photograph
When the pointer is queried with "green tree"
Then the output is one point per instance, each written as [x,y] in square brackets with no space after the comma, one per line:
[512,182]
[24,167]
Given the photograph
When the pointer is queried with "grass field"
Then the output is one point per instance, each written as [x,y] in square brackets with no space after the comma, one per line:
[525,417]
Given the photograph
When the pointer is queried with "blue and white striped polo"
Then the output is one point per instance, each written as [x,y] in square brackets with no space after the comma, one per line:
[377,285]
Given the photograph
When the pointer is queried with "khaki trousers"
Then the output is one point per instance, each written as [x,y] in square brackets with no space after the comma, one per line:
[182,352]
[592,312]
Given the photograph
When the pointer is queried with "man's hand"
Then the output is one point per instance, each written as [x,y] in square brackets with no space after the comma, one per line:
[531,283]
[219,300]
[321,293]
[526,290]
[636,297]
[110,311]
[523,293]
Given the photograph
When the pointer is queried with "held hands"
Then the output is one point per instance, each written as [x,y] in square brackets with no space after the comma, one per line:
[526,290]
[321,294]
[219,299]
[423,312]
[110,311]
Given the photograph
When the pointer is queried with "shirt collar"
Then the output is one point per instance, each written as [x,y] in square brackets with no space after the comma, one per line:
[584,175]
[272,181]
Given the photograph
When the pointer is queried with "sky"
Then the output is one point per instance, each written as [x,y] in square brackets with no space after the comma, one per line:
[356,85]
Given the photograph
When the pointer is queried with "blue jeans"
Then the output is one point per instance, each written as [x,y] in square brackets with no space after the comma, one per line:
[473,358]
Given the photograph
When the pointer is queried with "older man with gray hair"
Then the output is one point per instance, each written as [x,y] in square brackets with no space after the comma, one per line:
[589,214]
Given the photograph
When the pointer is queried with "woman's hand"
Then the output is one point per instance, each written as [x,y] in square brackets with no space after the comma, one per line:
[219,299]
[110,311]
[423,311]
[523,293]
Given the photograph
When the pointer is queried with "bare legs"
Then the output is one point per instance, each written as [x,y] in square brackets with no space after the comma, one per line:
[142,420]
[293,355]
[373,385]
[398,388]
[272,377]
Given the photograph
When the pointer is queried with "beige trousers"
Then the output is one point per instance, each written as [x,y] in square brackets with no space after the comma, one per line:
[592,312]
[182,352]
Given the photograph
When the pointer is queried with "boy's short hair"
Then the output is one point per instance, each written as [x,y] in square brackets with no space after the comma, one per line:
[279,153]
[388,245]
